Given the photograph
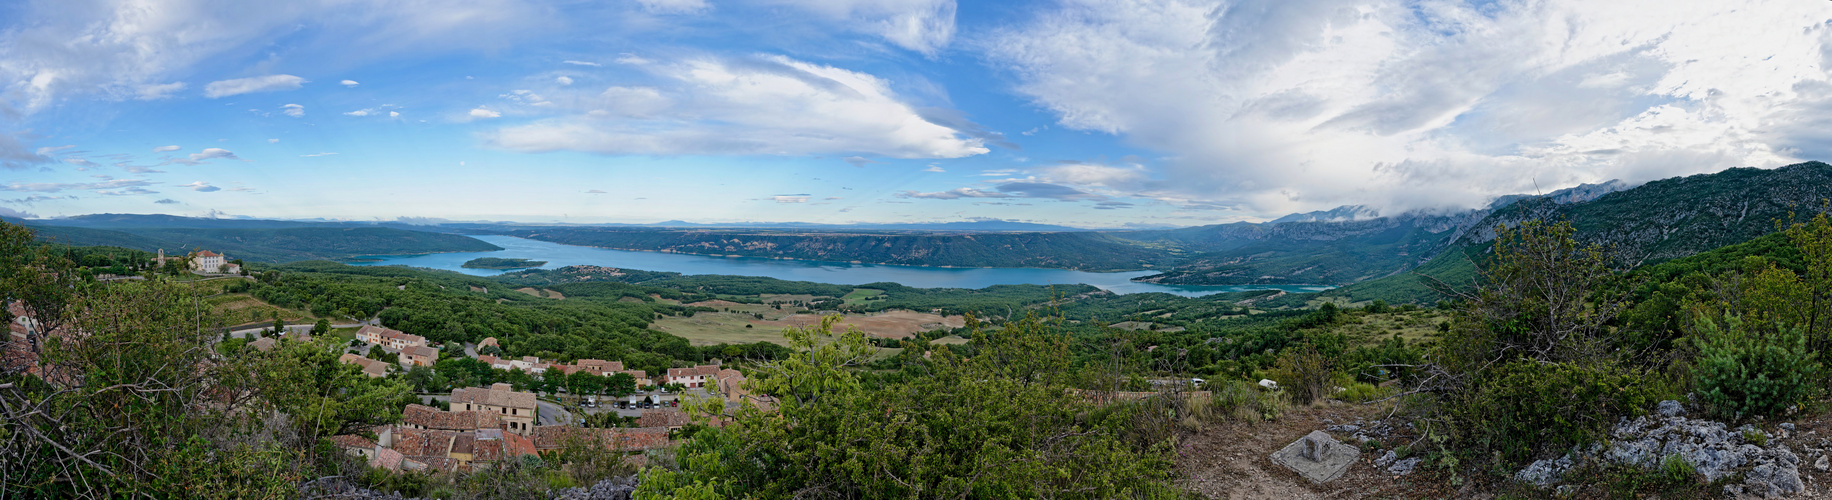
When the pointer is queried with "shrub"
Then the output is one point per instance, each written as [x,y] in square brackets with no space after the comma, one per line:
[1529,406]
[1741,373]
[1362,392]
[1245,401]
[1304,374]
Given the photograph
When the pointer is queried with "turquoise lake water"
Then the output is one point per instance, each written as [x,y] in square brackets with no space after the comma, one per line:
[842,273]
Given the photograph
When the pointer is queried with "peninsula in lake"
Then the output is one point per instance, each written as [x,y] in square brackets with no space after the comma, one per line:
[500,263]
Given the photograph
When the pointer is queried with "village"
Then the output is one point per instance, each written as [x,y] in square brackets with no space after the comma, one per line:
[481,425]
[471,428]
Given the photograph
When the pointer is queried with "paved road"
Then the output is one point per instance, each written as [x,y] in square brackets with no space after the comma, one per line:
[552,414]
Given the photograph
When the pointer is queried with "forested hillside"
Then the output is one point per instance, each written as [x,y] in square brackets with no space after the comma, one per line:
[269,244]
[1083,251]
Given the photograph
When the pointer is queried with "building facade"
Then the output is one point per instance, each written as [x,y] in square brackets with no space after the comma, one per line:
[515,408]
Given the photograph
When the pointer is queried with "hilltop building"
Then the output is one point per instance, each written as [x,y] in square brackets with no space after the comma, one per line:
[207,262]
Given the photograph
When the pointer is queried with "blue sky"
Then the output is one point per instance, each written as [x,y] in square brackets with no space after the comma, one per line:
[1093,113]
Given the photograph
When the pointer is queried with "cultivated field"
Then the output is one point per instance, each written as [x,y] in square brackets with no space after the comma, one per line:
[709,328]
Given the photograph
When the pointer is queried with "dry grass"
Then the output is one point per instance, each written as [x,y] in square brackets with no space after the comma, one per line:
[545,294]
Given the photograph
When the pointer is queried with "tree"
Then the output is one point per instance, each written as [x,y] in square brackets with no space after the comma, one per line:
[129,401]
[619,385]
[972,429]
[325,397]
[423,379]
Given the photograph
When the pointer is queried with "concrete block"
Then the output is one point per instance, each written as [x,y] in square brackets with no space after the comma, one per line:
[1317,456]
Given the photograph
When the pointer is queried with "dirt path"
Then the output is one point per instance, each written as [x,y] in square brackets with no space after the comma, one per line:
[1232,461]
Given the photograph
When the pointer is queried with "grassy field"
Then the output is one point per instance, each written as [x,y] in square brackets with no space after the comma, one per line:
[545,294]
[710,328]
[741,326]
[1146,325]
[241,308]
[1413,326]
[858,296]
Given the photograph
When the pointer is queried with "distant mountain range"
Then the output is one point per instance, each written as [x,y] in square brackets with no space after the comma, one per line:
[1373,254]
[250,240]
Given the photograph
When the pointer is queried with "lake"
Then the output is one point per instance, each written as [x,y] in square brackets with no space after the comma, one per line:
[842,273]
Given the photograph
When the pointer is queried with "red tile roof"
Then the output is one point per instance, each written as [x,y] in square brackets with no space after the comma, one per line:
[663,418]
[433,418]
[493,397]
[556,437]
[387,458]
[353,441]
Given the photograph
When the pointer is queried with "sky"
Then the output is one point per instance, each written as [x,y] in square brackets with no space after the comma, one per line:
[1091,113]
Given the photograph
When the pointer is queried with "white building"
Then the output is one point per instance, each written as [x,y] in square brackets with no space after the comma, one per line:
[207,262]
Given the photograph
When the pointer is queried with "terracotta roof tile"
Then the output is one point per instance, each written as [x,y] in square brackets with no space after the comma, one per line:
[353,441]
[387,459]
[494,397]
[663,418]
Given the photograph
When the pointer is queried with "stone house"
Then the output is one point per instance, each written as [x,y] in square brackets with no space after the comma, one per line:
[389,338]
[419,355]
[517,409]
[692,377]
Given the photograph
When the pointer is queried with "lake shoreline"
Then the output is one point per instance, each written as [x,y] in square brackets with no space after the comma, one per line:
[558,255]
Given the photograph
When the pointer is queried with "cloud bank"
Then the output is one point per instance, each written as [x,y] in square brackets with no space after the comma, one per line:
[1284,105]
[767,105]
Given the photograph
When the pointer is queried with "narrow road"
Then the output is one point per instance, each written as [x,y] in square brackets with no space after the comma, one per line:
[552,414]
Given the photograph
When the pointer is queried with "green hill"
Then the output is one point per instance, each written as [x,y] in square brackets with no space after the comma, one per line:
[269,245]
[1084,251]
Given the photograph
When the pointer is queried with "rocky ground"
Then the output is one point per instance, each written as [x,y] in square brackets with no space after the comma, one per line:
[1782,459]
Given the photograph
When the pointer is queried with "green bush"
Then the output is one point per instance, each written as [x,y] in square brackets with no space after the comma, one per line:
[1304,374]
[1246,401]
[1530,406]
[1362,392]
[1741,373]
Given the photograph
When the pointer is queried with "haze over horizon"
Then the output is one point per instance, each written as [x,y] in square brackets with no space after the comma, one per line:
[1088,113]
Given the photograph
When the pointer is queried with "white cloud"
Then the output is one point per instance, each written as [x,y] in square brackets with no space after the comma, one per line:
[53,187]
[202,186]
[482,112]
[360,112]
[582,63]
[293,110]
[273,141]
[158,91]
[790,198]
[563,80]
[924,26]
[674,6]
[1281,106]
[770,105]
[213,153]
[268,83]
[935,168]
[316,155]
[394,114]
[119,49]
[162,149]
[348,83]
